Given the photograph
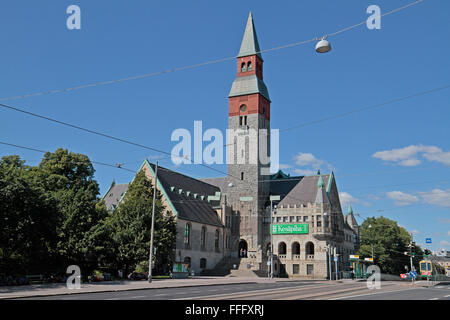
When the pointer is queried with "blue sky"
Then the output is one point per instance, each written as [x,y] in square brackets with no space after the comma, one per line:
[394,158]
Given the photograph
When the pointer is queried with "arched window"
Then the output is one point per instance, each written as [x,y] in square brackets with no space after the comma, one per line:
[202,263]
[203,238]
[296,248]
[309,248]
[243,67]
[282,248]
[216,240]
[249,66]
[187,234]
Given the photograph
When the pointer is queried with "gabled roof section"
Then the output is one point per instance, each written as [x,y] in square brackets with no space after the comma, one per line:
[189,196]
[249,44]
[114,195]
[305,191]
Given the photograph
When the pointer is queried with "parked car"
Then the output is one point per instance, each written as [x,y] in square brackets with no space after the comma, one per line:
[137,276]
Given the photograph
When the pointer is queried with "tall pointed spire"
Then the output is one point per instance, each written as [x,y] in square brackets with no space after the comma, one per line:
[350,210]
[249,45]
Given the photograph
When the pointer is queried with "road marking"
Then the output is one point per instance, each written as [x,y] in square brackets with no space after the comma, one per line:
[160,294]
[113,299]
[433,299]
[368,294]
[137,297]
[275,290]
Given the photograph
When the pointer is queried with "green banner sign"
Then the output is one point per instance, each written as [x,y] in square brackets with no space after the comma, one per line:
[290,228]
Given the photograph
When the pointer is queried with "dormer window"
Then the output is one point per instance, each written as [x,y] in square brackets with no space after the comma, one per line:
[249,66]
[243,67]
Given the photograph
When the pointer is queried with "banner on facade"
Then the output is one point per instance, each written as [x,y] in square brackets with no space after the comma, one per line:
[290,228]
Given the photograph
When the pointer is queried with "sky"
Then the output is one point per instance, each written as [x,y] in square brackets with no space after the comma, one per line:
[392,160]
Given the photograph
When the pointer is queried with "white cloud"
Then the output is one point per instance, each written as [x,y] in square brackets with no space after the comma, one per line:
[305,172]
[284,166]
[437,197]
[347,199]
[310,163]
[408,156]
[401,198]
[308,159]
[445,243]
[416,232]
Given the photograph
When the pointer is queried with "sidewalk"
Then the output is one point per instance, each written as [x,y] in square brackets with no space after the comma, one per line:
[111,286]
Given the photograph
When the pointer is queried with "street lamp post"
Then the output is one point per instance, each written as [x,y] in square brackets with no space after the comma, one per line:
[272,199]
[153,225]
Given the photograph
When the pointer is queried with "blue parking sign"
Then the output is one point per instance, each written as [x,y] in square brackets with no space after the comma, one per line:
[428,240]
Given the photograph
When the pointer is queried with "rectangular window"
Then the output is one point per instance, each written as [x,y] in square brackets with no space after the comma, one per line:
[305,218]
[318,223]
[240,120]
[245,120]
[285,219]
[299,218]
[309,269]
[278,219]
[291,219]
[295,269]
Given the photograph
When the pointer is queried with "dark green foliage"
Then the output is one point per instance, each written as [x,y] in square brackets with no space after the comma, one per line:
[390,242]
[131,223]
[51,217]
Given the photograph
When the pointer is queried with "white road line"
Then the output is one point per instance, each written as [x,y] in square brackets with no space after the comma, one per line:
[433,299]
[137,297]
[113,299]
[369,294]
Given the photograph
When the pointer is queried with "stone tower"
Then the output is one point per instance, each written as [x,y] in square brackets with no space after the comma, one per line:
[248,143]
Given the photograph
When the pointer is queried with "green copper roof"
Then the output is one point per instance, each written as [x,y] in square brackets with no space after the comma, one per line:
[330,181]
[320,183]
[350,210]
[249,45]
[248,85]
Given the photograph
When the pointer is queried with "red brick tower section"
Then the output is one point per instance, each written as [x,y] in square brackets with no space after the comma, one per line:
[253,102]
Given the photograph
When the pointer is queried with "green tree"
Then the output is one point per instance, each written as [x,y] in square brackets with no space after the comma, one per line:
[69,178]
[389,242]
[131,225]
[28,220]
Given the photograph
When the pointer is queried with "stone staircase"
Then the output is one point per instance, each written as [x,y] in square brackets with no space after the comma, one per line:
[237,267]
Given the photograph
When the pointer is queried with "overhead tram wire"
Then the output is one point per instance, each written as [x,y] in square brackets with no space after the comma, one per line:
[152,74]
[43,151]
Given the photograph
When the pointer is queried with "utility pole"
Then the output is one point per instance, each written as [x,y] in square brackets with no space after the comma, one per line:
[329,260]
[272,199]
[153,225]
[336,263]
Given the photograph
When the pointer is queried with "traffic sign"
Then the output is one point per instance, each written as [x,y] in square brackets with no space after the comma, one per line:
[413,274]
[428,240]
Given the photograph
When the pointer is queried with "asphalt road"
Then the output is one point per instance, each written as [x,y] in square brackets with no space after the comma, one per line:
[298,290]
